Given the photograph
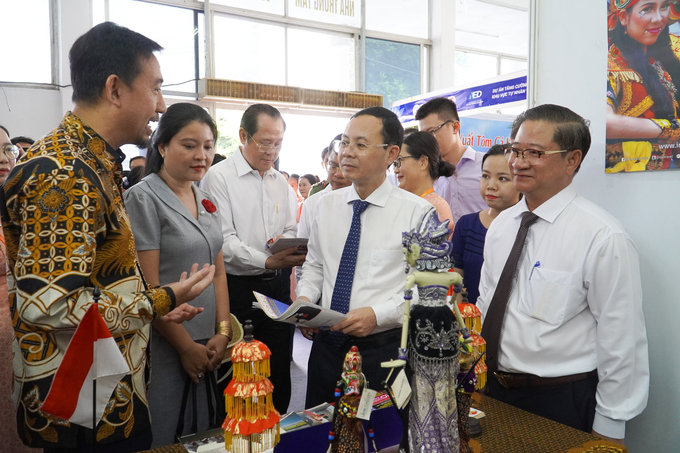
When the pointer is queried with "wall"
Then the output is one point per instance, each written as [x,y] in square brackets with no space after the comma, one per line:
[571,71]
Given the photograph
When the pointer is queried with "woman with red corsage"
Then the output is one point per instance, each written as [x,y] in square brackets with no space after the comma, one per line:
[643,77]
[176,224]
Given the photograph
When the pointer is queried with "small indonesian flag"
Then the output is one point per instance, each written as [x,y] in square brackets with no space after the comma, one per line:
[91,354]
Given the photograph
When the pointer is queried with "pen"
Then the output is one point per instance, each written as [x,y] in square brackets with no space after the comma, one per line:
[538,264]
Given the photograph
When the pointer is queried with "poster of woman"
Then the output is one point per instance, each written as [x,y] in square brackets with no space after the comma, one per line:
[643,76]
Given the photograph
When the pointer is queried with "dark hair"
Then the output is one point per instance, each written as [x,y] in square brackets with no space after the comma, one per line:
[571,129]
[172,121]
[107,49]
[135,175]
[444,108]
[285,173]
[252,114]
[294,176]
[424,144]
[495,150]
[634,53]
[217,159]
[21,139]
[392,130]
[311,178]
[136,158]
[5,129]
[325,153]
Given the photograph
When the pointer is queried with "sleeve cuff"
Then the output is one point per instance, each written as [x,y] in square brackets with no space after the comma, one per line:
[259,259]
[387,315]
[162,300]
[615,429]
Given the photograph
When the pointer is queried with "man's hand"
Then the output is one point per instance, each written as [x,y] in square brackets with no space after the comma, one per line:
[181,313]
[284,259]
[610,439]
[308,332]
[187,289]
[359,322]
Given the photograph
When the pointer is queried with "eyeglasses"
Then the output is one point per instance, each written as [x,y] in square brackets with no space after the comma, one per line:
[341,146]
[11,151]
[266,148]
[436,129]
[332,167]
[397,161]
[530,156]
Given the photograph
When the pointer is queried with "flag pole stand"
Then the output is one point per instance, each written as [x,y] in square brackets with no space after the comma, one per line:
[95,294]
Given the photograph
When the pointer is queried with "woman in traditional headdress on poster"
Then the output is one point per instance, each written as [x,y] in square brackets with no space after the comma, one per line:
[643,132]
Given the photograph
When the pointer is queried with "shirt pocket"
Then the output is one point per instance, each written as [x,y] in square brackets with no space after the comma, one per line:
[385,268]
[546,295]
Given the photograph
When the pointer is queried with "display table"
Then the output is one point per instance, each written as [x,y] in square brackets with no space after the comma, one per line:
[506,429]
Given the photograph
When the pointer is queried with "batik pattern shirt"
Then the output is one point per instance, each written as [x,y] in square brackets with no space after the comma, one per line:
[67,231]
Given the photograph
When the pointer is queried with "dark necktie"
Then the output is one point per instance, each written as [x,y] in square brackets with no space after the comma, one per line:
[343,282]
[493,321]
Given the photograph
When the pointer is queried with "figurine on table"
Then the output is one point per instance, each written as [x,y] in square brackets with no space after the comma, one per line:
[347,435]
[430,339]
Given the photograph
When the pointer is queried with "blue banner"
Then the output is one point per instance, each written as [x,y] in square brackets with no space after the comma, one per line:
[496,93]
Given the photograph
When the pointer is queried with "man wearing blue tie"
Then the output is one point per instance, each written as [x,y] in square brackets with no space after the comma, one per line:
[355,260]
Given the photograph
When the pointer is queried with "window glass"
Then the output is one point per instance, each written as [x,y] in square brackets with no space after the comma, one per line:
[332,67]
[403,17]
[306,136]
[471,68]
[484,26]
[392,69]
[509,65]
[338,12]
[250,51]
[171,27]
[25,34]
[265,6]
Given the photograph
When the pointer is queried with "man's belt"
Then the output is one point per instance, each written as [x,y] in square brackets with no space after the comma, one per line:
[266,276]
[519,381]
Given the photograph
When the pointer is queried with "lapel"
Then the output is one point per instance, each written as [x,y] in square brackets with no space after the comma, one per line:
[168,197]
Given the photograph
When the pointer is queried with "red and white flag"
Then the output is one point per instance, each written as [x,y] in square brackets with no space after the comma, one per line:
[92,353]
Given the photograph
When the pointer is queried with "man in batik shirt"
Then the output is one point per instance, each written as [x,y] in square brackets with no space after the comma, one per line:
[67,232]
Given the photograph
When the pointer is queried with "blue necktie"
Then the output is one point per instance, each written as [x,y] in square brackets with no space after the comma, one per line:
[343,282]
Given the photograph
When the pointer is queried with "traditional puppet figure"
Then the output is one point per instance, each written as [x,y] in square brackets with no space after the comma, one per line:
[252,423]
[433,339]
[347,434]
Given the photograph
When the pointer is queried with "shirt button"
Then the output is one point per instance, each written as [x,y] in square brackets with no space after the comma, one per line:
[202,212]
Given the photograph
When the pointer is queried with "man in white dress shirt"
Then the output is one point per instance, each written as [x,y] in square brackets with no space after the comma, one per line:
[370,143]
[573,345]
[439,117]
[258,206]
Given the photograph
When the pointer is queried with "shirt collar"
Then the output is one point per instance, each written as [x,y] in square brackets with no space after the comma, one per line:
[243,167]
[109,157]
[469,154]
[379,196]
[550,209]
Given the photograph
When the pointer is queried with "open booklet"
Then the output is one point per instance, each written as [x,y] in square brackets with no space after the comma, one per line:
[299,312]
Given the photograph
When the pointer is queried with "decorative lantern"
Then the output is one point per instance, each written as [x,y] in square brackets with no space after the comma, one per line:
[252,423]
[472,317]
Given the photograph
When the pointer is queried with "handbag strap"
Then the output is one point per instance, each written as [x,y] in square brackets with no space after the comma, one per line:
[215,414]
[188,385]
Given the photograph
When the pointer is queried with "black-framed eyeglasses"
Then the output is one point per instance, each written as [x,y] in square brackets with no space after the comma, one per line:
[528,155]
[436,129]
[397,161]
[11,151]
[342,146]
[266,148]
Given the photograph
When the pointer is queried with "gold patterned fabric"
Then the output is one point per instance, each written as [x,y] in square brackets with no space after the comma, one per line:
[67,231]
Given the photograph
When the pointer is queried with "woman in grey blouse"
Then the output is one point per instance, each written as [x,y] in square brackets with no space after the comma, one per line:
[176,224]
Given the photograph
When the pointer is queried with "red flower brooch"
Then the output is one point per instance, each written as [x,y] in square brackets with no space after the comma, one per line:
[208,205]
